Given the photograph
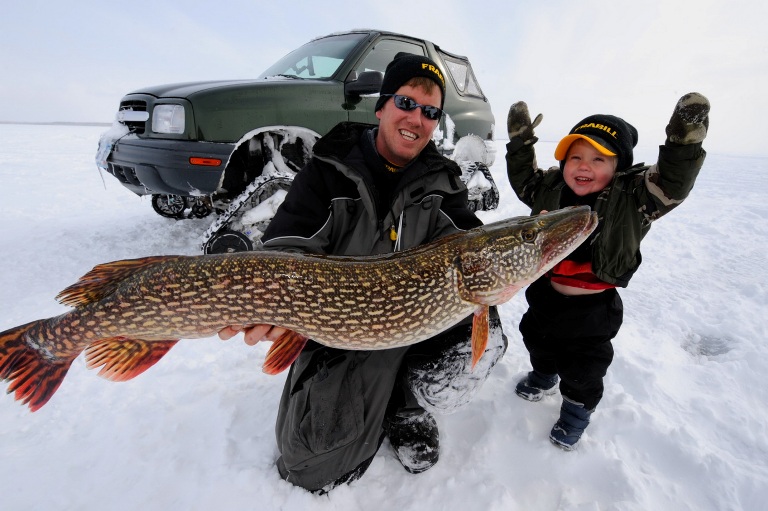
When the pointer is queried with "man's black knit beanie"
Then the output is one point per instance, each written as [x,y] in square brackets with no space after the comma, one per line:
[404,67]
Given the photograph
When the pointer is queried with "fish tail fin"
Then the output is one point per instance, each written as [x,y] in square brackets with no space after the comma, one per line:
[121,359]
[479,334]
[283,352]
[33,377]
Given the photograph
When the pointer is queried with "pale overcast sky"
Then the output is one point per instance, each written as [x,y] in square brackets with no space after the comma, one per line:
[73,61]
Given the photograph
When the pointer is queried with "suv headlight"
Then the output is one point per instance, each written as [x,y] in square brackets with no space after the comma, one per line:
[168,119]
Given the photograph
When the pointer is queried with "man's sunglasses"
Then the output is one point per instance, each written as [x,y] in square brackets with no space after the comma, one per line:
[405,103]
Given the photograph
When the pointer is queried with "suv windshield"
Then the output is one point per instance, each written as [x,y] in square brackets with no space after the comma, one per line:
[317,59]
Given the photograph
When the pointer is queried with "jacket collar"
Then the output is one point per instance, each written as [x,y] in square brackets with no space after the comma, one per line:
[342,139]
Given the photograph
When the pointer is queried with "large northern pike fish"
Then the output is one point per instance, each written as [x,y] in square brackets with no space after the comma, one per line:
[128,314]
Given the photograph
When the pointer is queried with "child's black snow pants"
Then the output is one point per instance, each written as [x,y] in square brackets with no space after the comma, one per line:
[571,336]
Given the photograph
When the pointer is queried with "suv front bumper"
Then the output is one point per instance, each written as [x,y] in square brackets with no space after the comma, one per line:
[150,166]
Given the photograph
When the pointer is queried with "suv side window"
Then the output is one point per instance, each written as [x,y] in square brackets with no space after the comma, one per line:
[383,52]
[463,76]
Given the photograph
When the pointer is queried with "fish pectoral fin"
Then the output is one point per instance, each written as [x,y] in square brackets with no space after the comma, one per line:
[122,358]
[479,334]
[33,377]
[283,352]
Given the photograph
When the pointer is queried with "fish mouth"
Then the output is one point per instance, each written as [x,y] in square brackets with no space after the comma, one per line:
[568,229]
[592,223]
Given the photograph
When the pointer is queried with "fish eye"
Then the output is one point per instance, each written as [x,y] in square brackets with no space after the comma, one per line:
[528,235]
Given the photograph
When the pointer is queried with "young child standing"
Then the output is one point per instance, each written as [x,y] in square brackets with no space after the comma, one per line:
[575,309]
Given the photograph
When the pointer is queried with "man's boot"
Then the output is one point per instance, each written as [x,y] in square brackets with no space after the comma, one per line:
[415,440]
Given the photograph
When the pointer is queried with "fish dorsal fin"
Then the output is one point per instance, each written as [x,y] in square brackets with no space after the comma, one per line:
[103,279]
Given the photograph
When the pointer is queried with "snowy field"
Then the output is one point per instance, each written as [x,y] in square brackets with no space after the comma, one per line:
[682,426]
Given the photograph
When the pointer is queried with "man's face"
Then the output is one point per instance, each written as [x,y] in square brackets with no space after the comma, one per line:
[586,170]
[403,135]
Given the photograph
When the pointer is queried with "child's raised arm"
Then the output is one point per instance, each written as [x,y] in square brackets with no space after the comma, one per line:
[680,158]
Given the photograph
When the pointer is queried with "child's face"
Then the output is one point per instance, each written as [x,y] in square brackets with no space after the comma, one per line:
[586,170]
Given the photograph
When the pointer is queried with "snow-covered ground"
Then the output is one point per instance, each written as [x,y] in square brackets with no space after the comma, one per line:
[682,425]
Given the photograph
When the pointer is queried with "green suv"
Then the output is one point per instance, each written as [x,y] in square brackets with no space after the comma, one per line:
[234,146]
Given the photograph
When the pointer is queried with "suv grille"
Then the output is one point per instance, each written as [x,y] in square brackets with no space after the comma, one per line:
[137,106]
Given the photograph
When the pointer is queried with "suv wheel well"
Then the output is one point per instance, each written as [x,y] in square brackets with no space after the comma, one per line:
[257,149]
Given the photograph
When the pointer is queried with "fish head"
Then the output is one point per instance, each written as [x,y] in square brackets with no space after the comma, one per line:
[505,256]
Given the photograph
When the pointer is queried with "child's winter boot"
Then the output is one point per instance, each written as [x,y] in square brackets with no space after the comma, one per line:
[574,419]
[536,385]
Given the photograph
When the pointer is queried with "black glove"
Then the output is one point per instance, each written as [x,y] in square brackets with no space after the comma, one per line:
[690,120]
[519,123]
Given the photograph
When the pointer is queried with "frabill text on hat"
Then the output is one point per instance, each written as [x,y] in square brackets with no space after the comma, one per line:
[607,129]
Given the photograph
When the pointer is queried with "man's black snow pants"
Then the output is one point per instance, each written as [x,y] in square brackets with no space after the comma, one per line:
[571,336]
[333,410]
